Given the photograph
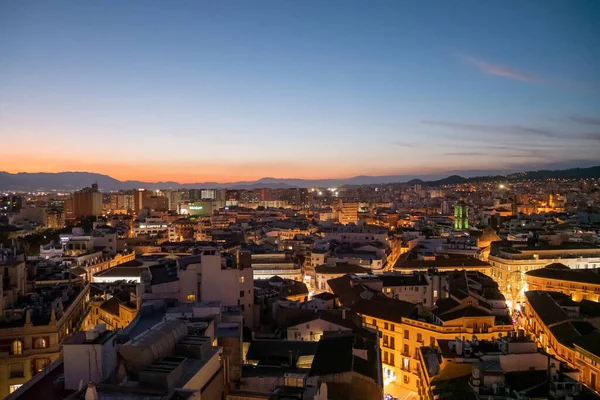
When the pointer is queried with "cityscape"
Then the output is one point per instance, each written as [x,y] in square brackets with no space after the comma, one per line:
[279,200]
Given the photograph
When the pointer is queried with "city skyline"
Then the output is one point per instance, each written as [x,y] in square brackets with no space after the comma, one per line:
[220,92]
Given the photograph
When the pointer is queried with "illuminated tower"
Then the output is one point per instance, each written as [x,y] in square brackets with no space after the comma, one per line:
[461,215]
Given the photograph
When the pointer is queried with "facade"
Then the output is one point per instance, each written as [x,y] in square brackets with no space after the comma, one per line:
[562,328]
[474,306]
[32,340]
[87,201]
[510,264]
[349,213]
[266,266]
[115,311]
[580,284]
[206,277]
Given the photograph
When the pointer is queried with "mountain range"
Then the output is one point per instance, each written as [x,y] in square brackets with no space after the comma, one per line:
[69,181]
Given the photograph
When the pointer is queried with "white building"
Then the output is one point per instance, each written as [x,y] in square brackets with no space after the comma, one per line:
[205,277]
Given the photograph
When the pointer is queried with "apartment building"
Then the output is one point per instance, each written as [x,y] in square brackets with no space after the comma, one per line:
[566,329]
[580,284]
[474,306]
[509,264]
[34,322]
[208,276]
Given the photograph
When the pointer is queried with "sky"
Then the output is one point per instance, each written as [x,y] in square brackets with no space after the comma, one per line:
[195,91]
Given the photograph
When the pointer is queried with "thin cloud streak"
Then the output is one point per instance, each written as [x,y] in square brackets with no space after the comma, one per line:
[501,70]
[495,129]
[403,144]
[585,120]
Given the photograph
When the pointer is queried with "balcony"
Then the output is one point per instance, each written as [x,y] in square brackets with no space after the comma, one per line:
[16,374]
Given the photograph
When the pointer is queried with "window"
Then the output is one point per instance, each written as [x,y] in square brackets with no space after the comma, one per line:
[385,325]
[419,338]
[41,363]
[241,293]
[406,350]
[374,321]
[392,359]
[242,279]
[191,297]
[14,387]
[406,334]
[435,293]
[406,363]
[392,327]
[385,357]
[392,342]
[406,379]
[385,340]
[40,343]
[17,347]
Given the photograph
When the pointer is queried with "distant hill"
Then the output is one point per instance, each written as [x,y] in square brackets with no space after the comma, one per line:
[69,181]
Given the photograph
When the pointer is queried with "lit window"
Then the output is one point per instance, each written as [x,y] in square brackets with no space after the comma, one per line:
[17,347]
[242,279]
[191,297]
[435,293]
[40,343]
[14,387]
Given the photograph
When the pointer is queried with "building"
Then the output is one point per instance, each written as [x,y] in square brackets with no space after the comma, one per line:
[311,326]
[325,273]
[349,213]
[507,367]
[10,204]
[563,328]
[356,234]
[510,263]
[208,276]
[139,199]
[473,306]
[34,322]
[461,215]
[340,366]
[87,202]
[268,265]
[156,203]
[172,359]
[115,308]
[580,284]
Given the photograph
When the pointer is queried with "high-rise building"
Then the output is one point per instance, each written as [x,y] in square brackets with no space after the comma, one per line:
[461,215]
[349,214]
[87,201]
[117,201]
[208,194]
[10,204]
[156,203]
[139,198]
[175,197]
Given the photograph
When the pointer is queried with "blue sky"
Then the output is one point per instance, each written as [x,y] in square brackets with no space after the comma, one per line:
[229,90]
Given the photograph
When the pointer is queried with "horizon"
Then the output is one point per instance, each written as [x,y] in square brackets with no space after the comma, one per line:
[203,91]
[375,179]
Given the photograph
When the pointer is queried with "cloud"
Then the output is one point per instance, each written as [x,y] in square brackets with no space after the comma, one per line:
[585,120]
[495,129]
[592,136]
[501,70]
[400,143]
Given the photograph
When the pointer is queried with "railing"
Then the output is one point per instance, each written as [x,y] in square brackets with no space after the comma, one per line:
[17,374]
